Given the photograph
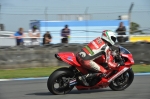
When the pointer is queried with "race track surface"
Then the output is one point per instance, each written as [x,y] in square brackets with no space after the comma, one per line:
[37,89]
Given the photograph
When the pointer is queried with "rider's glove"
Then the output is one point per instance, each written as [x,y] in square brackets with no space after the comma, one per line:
[121,63]
[114,53]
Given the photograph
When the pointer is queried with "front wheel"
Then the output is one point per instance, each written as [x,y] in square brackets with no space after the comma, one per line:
[123,81]
[57,83]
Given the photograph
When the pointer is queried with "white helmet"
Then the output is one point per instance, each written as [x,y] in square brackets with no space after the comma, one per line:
[109,36]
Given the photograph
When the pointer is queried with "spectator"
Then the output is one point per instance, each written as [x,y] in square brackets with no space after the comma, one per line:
[47,38]
[121,30]
[34,34]
[65,33]
[19,37]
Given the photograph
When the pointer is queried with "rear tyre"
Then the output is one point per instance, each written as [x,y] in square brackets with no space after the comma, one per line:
[57,82]
[123,81]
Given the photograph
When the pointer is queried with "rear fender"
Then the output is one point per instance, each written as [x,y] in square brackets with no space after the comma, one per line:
[68,57]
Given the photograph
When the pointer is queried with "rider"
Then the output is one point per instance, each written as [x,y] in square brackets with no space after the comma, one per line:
[96,49]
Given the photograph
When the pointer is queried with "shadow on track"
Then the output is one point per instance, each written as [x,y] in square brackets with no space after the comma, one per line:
[72,92]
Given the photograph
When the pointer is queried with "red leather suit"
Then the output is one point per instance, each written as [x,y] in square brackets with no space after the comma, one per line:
[97,51]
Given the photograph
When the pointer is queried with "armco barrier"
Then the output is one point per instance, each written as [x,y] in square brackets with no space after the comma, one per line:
[41,56]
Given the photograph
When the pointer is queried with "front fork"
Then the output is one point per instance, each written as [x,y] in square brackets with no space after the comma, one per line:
[118,74]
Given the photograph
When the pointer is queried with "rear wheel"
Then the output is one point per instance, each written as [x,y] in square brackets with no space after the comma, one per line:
[58,82]
[123,81]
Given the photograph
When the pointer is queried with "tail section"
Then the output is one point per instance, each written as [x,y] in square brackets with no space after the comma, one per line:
[68,57]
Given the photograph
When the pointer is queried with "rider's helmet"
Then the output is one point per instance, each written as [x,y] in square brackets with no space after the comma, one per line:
[109,37]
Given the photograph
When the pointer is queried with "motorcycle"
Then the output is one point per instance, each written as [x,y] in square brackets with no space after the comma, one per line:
[64,79]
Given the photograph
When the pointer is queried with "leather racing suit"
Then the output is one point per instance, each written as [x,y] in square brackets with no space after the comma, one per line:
[94,50]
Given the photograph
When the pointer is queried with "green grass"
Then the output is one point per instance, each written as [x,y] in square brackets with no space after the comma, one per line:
[141,68]
[27,72]
[46,71]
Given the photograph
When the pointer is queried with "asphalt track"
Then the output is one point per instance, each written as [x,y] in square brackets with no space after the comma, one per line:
[37,89]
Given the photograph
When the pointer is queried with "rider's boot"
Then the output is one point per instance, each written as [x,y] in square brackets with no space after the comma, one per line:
[83,79]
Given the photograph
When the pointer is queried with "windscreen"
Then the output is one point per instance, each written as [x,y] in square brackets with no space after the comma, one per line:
[123,50]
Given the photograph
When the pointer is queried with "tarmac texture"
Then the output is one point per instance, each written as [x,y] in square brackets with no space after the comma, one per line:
[37,89]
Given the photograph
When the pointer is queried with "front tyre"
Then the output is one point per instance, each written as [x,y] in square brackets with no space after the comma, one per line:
[123,81]
[57,83]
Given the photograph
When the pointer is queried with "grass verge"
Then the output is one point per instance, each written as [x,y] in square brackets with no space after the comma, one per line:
[26,72]
[141,68]
[46,71]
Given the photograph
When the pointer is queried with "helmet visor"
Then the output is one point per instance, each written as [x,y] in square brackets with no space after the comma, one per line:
[113,38]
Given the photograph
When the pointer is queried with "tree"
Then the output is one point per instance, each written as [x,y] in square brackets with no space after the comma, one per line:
[135,28]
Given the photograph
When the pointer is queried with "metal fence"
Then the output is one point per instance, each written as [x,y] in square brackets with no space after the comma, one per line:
[14,21]
[13,18]
[7,40]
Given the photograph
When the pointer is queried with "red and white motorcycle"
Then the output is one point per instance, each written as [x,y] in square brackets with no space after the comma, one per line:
[64,79]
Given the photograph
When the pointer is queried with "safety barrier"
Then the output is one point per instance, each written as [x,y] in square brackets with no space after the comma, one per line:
[41,56]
